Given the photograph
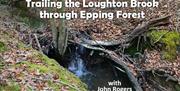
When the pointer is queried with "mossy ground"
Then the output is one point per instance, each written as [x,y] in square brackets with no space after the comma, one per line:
[52,67]
[10,87]
[47,66]
[170,39]
[10,45]
[2,47]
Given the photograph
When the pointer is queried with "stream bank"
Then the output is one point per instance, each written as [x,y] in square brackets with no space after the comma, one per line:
[94,70]
[83,62]
[23,68]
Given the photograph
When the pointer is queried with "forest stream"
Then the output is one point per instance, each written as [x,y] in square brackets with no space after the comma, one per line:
[97,75]
[121,54]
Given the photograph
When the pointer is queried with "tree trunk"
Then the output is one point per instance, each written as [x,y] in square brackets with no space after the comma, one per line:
[60,34]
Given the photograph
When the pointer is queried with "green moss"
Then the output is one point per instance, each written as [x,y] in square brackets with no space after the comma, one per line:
[48,66]
[177,87]
[11,87]
[135,49]
[171,41]
[2,47]
[52,67]
[32,22]
[64,75]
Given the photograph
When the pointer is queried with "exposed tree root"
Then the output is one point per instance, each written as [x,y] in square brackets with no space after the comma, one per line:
[139,30]
[125,40]
[119,60]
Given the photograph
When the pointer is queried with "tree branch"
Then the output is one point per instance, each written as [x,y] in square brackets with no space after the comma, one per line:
[119,60]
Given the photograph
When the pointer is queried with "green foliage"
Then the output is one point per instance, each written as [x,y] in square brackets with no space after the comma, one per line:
[136,49]
[171,41]
[11,87]
[25,15]
[32,22]
[4,1]
[48,66]
[132,50]
[52,67]
[177,87]
[2,47]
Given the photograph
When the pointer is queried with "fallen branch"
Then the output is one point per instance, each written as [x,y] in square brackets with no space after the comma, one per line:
[75,88]
[144,27]
[140,29]
[61,82]
[158,86]
[164,74]
[119,60]
[161,37]
[37,41]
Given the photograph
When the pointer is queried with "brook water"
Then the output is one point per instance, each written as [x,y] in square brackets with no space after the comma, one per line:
[95,71]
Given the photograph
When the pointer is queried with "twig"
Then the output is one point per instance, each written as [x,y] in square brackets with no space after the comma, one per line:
[30,40]
[37,41]
[119,60]
[140,29]
[61,82]
[139,39]
[161,37]
[68,85]
[159,87]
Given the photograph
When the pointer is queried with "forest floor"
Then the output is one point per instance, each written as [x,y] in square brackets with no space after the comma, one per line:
[153,58]
[104,30]
[108,30]
[24,69]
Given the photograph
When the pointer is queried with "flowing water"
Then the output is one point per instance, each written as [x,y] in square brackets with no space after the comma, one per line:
[77,66]
[97,75]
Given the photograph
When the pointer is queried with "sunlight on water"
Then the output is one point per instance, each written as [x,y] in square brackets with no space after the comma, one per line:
[97,75]
[78,67]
